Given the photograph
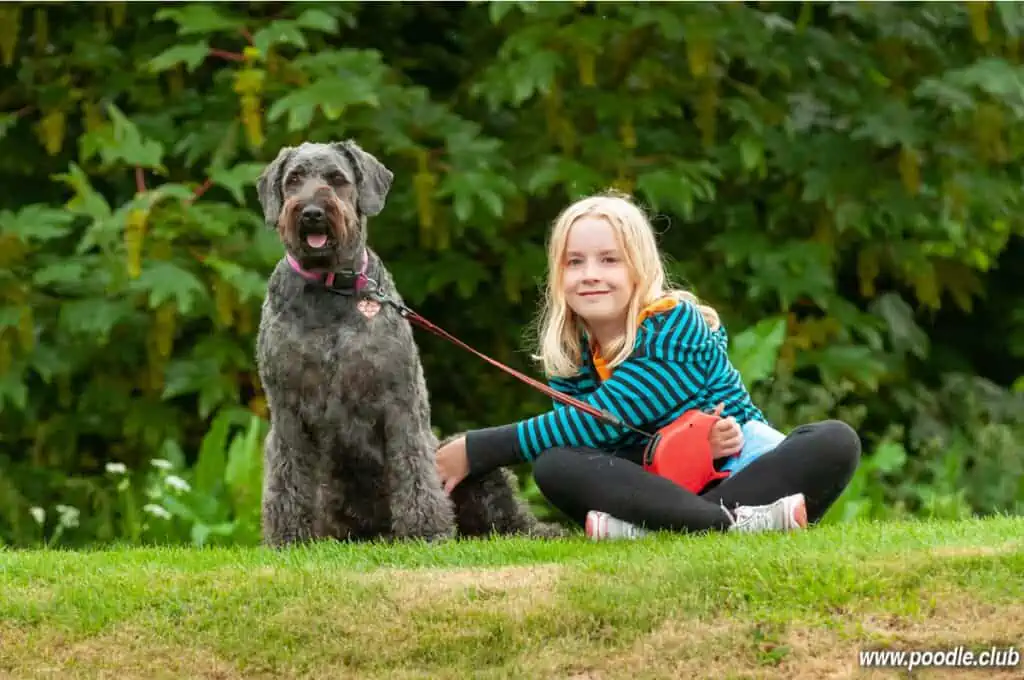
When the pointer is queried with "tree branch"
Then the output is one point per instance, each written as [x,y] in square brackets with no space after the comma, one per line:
[224,54]
[200,190]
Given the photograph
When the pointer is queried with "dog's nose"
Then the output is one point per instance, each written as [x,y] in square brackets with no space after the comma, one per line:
[312,213]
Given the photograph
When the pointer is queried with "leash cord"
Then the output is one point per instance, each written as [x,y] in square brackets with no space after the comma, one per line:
[420,321]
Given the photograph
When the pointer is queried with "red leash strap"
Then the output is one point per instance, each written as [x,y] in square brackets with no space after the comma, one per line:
[554,394]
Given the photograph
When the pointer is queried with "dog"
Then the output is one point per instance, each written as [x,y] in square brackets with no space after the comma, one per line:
[350,454]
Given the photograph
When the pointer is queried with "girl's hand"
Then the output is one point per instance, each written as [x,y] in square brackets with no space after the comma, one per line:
[452,463]
[726,436]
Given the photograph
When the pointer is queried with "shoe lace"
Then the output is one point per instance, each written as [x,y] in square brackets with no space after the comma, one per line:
[752,517]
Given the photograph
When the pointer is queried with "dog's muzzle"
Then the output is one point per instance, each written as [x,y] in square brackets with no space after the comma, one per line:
[313,227]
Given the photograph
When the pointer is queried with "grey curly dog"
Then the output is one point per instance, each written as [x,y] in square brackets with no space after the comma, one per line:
[350,453]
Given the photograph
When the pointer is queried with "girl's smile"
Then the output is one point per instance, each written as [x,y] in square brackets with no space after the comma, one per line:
[596,280]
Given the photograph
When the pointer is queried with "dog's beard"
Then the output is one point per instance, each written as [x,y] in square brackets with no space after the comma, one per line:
[336,247]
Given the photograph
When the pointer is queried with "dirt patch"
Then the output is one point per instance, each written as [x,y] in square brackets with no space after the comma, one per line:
[739,648]
[123,653]
[979,551]
[428,586]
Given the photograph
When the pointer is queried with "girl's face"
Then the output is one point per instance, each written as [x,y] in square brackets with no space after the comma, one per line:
[596,281]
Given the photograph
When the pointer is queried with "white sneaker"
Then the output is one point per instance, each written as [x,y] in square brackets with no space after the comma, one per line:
[601,526]
[785,514]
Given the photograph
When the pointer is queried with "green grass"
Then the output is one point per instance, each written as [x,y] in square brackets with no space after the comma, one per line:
[770,605]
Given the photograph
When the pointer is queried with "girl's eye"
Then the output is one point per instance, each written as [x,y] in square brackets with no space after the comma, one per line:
[573,261]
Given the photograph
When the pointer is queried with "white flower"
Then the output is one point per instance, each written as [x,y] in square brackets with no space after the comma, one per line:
[156,510]
[38,514]
[161,463]
[177,483]
[117,468]
[68,515]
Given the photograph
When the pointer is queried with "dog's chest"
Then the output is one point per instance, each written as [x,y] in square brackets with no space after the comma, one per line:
[354,359]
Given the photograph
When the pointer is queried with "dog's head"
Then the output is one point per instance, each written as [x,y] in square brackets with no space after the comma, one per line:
[318,196]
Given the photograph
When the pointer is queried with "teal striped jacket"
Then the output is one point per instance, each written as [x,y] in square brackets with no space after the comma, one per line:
[678,363]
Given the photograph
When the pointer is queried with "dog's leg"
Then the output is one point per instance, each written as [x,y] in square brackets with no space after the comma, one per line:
[419,506]
[288,511]
[489,504]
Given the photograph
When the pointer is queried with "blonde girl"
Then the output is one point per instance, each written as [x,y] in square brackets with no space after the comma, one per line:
[614,333]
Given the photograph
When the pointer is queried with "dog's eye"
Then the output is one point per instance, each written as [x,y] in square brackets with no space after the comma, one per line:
[336,178]
[292,179]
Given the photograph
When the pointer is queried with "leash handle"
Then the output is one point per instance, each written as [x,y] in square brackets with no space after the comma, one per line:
[536,384]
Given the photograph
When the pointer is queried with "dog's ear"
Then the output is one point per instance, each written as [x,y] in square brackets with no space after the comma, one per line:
[374,178]
[268,186]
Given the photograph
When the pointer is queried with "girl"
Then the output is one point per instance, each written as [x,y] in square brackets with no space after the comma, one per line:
[614,335]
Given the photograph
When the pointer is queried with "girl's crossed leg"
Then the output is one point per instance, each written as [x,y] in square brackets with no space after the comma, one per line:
[816,460]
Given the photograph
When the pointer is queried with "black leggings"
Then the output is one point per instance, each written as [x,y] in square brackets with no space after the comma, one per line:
[817,459]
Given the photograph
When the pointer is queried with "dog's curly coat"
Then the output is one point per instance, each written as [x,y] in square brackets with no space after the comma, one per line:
[350,453]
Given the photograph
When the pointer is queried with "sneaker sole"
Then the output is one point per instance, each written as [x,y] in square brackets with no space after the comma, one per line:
[593,526]
[800,513]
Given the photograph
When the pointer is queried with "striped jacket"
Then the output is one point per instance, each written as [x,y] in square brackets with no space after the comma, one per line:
[678,364]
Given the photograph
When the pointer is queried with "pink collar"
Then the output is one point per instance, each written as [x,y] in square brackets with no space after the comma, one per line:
[328,279]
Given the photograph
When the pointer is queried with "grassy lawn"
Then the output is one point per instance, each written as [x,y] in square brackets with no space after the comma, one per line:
[724,606]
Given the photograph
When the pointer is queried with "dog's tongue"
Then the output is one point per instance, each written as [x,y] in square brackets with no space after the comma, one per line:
[316,240]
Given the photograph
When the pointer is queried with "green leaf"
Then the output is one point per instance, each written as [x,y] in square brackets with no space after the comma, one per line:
[48,362]
[282,31]
[889,457]
[187,376]
[200,18]
[191,55]
[179,509]
[250,285]
[13,392]
[318,20]
[336,93]
[7,121]
[839,362]
[905,334]
[61,273]
[165,281]
[201,532]
[36,222]
[86,200]
[93,317]
[243,473]
[236,178]
[755,351]
[212,460]
[121,140]
[752,155]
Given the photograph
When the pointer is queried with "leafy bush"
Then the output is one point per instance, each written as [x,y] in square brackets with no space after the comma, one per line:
[840,180]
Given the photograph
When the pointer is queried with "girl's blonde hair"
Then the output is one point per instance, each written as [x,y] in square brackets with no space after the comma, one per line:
[559,347]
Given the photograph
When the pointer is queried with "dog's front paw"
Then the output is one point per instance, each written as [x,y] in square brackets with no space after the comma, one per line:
[548,530]
[441,537]
[435,532]
[282,541]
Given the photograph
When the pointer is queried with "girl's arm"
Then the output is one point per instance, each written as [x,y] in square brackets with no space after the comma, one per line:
[577,387]
[661,376]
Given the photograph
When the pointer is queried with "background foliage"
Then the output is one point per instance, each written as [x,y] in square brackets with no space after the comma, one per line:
[841,180]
